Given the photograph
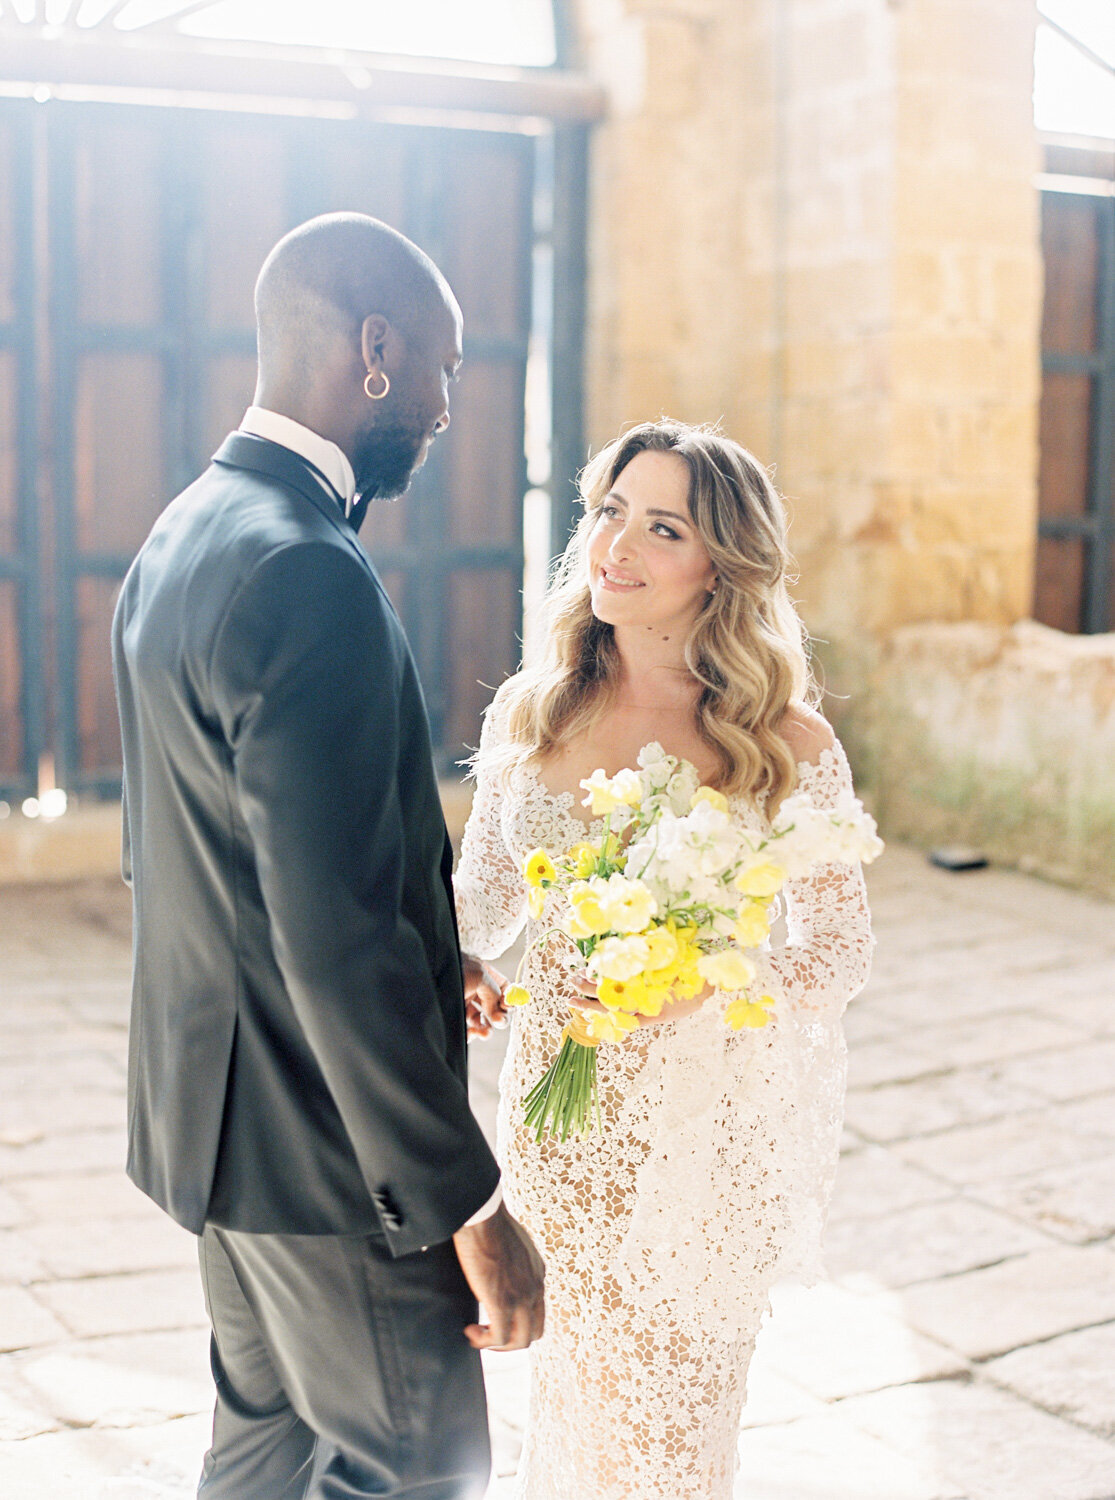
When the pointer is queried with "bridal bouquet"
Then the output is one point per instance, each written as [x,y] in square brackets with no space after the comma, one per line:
[670,898]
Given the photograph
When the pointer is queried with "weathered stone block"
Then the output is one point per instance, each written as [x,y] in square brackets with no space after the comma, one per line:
[1002,1307]
[991,1445]
[1000,738]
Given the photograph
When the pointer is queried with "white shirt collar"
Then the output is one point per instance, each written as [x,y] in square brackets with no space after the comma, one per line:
[319,451]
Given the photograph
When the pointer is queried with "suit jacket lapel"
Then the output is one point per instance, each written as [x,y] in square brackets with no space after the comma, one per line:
[243,450]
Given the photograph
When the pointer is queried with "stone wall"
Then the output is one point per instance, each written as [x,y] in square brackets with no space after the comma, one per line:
[816,220]
[997,737]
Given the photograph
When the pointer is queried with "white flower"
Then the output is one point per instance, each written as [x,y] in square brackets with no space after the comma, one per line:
[681,786]
[657,767]
[618,958]
[806,836]
[629,905]
[708,839]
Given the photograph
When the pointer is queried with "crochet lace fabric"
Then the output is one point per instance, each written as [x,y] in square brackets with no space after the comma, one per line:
[709,1181]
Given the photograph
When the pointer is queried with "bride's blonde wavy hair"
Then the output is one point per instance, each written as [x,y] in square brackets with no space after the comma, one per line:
[747,647]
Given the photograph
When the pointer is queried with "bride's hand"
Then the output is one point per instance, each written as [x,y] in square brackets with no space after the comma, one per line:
[485,988]
[674,1010]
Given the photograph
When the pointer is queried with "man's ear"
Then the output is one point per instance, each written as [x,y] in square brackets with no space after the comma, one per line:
[380,344]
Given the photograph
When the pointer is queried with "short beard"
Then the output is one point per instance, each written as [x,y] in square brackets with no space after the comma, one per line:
[384,459]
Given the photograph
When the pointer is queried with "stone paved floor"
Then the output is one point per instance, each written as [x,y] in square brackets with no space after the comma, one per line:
[963,1350]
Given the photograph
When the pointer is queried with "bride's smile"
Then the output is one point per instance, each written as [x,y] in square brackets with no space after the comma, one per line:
[647,564]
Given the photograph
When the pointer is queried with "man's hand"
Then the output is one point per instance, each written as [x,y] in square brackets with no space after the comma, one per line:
[484,991]
[505,1273]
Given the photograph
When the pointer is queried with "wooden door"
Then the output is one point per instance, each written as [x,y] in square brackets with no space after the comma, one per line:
[159,221]
[1076,534]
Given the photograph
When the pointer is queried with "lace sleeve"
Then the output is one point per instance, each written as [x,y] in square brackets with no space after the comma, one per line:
[490,892]
[826,959]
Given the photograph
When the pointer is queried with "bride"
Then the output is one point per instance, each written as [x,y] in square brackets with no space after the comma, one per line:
[669,620]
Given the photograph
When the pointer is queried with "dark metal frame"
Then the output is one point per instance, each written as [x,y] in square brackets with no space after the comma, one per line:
[18,335]
[1097,526]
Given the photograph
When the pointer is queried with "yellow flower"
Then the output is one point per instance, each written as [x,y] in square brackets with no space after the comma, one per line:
[579,1027]
[516,994]
[689,982]
[622,994]
[654,999]
[536,901]
[711,796]
[743,1012]
[606,793]
[663,947]
[610,1026]
[760,880]
[751,925]
[537,867]
[584,857]
[589,917]
[728,970]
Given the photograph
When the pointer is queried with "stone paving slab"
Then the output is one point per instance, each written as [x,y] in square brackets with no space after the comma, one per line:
[1072,1376]
[927,1241]
[826,1457]
[1020,1301]
[125,1304]
[939,1100]
[1057,1137]
[988,1443]
[124,1381]
[806,1341]
[1077,1204]
[963,1352]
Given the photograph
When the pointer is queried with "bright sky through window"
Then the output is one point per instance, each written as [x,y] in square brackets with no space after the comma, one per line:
[493,31]
[1073,94]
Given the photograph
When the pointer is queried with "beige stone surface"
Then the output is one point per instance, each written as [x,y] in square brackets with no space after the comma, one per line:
[126,1303]
[1077,1203]
[1072,1376]
[1001,738]
[25,1321]
[991,1445]
[855,289]
[806,1341]
[828,1458]
[105,1395]
[927,1241]
[1019,1301]
[937,1101]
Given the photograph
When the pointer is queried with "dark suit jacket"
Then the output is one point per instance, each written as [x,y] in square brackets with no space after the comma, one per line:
[297,1060]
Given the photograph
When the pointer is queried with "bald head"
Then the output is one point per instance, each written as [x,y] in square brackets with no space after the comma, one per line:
[342,300]
[324,278]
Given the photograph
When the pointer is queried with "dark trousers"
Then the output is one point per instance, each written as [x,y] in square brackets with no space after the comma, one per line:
[340,1372]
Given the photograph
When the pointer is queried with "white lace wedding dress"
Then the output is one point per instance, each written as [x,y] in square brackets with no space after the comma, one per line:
[663,1233]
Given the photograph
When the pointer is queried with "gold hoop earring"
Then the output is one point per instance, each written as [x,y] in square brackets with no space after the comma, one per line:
[376,395]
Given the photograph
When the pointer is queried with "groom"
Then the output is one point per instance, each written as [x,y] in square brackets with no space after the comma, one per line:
[297,1078]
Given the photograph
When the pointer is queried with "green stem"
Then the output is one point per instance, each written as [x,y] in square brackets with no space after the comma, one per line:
[565,1098]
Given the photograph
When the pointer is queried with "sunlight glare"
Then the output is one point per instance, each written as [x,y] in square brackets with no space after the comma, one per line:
[497,31]
[1071,94]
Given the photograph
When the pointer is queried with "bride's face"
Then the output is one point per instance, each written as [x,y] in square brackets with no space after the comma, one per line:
[647,564]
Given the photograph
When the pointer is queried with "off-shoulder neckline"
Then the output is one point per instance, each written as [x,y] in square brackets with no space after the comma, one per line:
[567,801]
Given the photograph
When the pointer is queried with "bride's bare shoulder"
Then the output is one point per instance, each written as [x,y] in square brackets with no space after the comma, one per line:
[807,733]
